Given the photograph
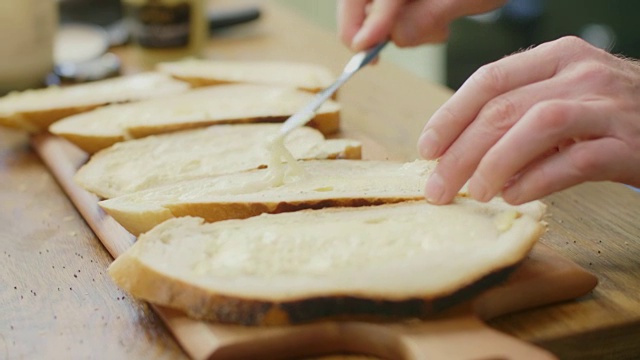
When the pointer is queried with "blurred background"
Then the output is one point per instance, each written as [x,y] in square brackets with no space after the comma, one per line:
[481,39]
[474,40]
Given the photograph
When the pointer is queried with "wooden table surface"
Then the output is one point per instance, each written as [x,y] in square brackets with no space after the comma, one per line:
[58,302]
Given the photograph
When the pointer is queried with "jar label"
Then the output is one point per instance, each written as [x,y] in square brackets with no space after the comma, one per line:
[155,25]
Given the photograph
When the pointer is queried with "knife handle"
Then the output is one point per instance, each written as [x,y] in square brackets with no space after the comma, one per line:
[220,19]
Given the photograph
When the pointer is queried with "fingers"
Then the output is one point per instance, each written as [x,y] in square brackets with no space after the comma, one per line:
[351,16]
[427,21]
[444,135]
[420,22]
[363,23]
[458,9]
[377,26]
[548,125]
[487,83]
[591,160]
[518,122]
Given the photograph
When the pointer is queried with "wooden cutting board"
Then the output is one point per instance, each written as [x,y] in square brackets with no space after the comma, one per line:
[544,278]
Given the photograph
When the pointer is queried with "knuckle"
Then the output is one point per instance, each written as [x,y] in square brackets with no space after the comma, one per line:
[552,117]
[583,161]
[490,77]
[568,44]
[570,41]
[451,158]
[592,72]
[500,113]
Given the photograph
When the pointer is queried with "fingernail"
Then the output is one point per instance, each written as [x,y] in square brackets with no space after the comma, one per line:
[479,192]
[358,39]
[478,187]
[429,144]
[434,189]
[513,194]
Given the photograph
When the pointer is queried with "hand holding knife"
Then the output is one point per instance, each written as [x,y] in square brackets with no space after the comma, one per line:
[357,62]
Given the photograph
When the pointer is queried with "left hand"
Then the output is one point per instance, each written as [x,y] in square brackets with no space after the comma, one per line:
[364,23]
[537,122]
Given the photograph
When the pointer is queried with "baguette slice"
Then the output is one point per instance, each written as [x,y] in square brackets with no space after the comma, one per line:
[321,183]
[393,261]
[228,104]
[304,76]
[156,160]
[35,110]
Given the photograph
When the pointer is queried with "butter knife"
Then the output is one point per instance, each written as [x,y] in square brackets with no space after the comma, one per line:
[357,62]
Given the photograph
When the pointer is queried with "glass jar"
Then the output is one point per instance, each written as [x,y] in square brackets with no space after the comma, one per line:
[27,31]
[166,30]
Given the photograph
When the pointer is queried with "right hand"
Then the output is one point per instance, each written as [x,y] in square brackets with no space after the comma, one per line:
[537,122]
[363,23]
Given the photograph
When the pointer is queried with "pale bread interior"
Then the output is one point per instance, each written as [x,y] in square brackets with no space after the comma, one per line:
[144,163]
[391,252]
[322,183]
[238,103]
[306,76]
[326,182]
[17,106]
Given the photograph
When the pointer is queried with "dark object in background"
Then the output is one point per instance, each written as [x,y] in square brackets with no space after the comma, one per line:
[221,19]
[478,40]
[109,15]
[99,12]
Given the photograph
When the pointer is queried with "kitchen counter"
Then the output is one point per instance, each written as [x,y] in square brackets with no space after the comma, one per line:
[58,301]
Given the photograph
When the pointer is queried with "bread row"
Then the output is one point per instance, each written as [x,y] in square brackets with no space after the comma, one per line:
[36,110]
[337,237]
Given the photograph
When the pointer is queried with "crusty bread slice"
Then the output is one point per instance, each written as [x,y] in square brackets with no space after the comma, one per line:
[228,104]
[402,260]
[305,76]
[35,110]
[320,183]
[220,149]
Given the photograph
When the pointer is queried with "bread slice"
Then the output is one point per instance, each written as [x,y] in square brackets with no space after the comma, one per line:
[156,160]
[393,261]
[305,76]
[228,104]
[321,183]
[35,110]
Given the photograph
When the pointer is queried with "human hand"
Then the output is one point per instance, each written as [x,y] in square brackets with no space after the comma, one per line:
[364,23]
[537,122]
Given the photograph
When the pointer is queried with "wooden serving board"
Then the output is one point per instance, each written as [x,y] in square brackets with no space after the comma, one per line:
[544,278]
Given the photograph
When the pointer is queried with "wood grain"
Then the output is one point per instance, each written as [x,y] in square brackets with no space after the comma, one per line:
[55,294]
[544,278]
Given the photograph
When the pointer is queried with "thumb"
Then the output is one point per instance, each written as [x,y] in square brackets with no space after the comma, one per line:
[381,17]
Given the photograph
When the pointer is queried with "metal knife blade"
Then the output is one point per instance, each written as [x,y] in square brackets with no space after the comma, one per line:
[357,62]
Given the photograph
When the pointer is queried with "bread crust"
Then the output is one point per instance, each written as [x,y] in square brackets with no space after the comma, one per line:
[196,82]
[326,123]
[91,144]
[145,283]
[243,210]
[148,282]
[39,121]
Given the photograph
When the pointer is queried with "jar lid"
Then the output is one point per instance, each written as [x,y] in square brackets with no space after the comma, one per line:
[76,43]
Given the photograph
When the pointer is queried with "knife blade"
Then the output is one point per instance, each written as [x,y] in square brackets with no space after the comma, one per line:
[357,62]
